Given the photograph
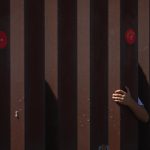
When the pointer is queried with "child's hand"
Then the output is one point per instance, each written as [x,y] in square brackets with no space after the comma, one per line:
[125,98]
[122,97]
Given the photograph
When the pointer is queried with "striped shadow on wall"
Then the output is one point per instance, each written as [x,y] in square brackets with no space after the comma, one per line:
[73,79]
[5,75]
[89,58]
[86,58]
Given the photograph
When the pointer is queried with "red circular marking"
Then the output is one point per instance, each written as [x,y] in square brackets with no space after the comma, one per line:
[3,39]
[130,36]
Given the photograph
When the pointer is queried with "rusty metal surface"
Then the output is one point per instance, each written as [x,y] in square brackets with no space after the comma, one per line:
[144,74]
[129,73]
[17,75]
[98,73]
[114,116]
[124,59]
[51,74]
[51,47]
[5,77]
[67,73]
[83,82]
[34,75]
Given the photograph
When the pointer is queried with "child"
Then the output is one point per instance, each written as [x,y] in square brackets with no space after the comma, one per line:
[124,98]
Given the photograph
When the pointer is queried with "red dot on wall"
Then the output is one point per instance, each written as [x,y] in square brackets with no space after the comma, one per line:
[130,36]
[3,40]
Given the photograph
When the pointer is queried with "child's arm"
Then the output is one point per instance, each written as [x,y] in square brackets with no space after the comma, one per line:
[124,98]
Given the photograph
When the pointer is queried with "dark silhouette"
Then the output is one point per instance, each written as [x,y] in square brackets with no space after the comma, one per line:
[144,95]
[51,119]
